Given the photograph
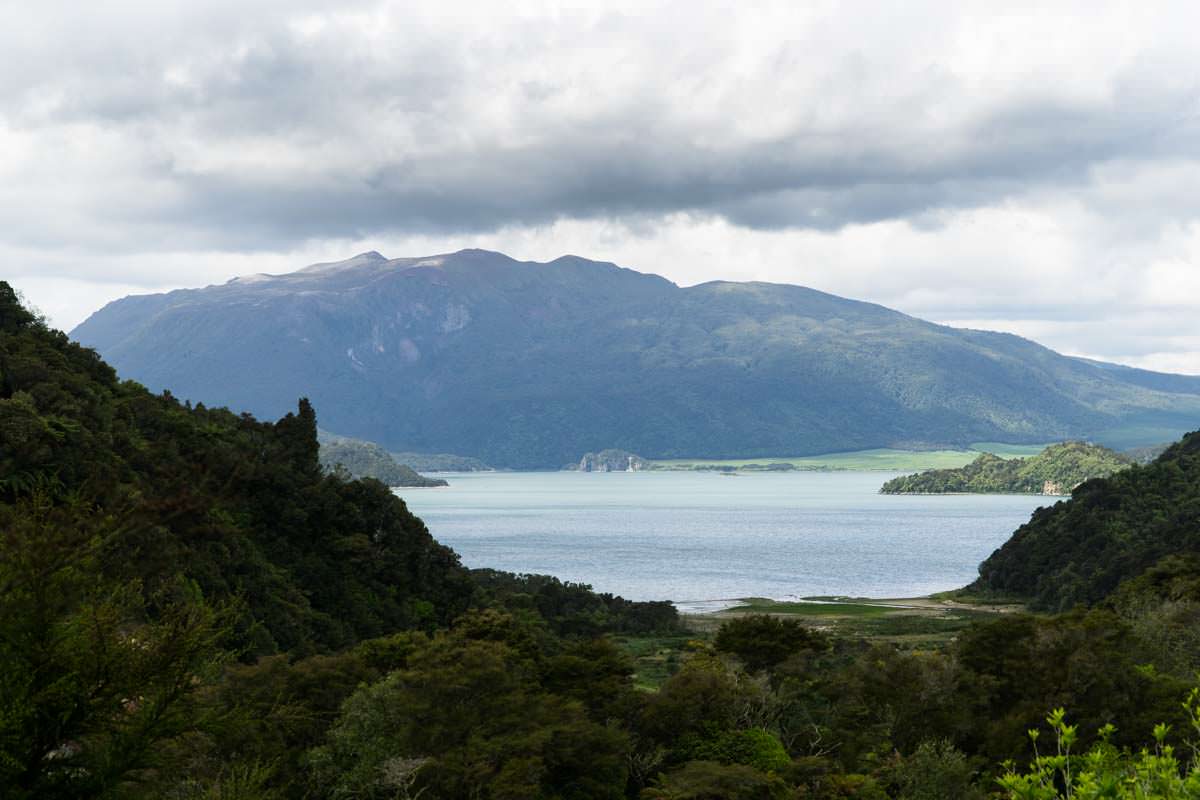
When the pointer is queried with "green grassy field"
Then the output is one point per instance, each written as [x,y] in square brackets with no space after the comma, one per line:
[907,624]
[884,460]
[759,606]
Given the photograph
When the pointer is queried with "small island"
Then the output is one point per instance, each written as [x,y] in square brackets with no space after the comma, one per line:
[1057,470]
[363,459]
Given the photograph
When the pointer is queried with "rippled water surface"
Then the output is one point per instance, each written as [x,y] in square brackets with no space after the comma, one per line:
[694,536]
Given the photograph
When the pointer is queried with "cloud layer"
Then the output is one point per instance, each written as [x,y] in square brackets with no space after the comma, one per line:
[1030,170]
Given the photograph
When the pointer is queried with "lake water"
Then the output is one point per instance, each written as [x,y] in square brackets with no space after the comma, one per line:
[694,537]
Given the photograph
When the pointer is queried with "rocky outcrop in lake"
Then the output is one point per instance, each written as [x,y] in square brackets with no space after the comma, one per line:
[611,461]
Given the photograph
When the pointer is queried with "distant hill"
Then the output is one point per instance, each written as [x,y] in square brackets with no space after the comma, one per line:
[1111,530]
[1055,471]
[369,460]
[527,365]
[1147,453]
[440,462]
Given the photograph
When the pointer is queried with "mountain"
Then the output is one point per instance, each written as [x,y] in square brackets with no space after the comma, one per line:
[527,364]
[1111,530]
[1056,470]
[369,460]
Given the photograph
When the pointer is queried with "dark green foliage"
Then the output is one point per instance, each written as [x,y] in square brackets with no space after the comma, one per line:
[573,609]
[531,365]
[1061,770]
[94,676]
[936,771]
[276,710]
[1056,470]
[755,748]
[857,707]
[596,673]
[708,780]
[368,460]
[1111,530]
[1014,668]
[239,507]
[702,698]
[467,716]
[762,641]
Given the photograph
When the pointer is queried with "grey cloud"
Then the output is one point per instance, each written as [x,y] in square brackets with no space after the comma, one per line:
[401,137]
[572,178]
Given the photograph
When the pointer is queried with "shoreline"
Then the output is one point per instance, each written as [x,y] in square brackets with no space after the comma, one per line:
[830,605]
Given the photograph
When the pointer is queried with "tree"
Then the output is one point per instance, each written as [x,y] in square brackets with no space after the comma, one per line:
[468,718]
[93,682]
[708,780]
[762,641]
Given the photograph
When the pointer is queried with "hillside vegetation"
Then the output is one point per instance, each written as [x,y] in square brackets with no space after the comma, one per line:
[1111,530]
[440,462]
[1057,470]
[161,491]
[187,597]
[192,608]
[529,365]
[368,460]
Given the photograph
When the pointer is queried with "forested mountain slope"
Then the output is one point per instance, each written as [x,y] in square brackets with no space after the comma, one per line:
[368,460]
[237,507]
[1111,530]
[187,598]
[528,365]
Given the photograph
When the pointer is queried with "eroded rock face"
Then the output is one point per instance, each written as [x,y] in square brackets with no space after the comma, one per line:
[1052,487]
[611,461]
[456,318]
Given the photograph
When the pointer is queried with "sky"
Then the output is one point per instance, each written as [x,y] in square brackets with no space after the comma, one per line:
[1030,168]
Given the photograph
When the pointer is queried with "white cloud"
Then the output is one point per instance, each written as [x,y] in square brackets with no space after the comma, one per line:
[1027,167]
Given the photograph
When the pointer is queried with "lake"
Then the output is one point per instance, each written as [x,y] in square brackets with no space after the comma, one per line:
[697,537]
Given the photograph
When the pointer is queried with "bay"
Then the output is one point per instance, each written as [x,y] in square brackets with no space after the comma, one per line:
[698,537]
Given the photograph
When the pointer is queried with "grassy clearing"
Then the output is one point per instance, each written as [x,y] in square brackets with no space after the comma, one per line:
[761,606]
[656,658]
[1010,602]
[916,628]
[921,623]
[884,460]
[914,624]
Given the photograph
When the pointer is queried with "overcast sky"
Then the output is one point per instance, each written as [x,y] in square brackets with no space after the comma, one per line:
[1035,170]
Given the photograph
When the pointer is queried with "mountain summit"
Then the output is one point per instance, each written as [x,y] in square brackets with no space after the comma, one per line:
[527,364]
